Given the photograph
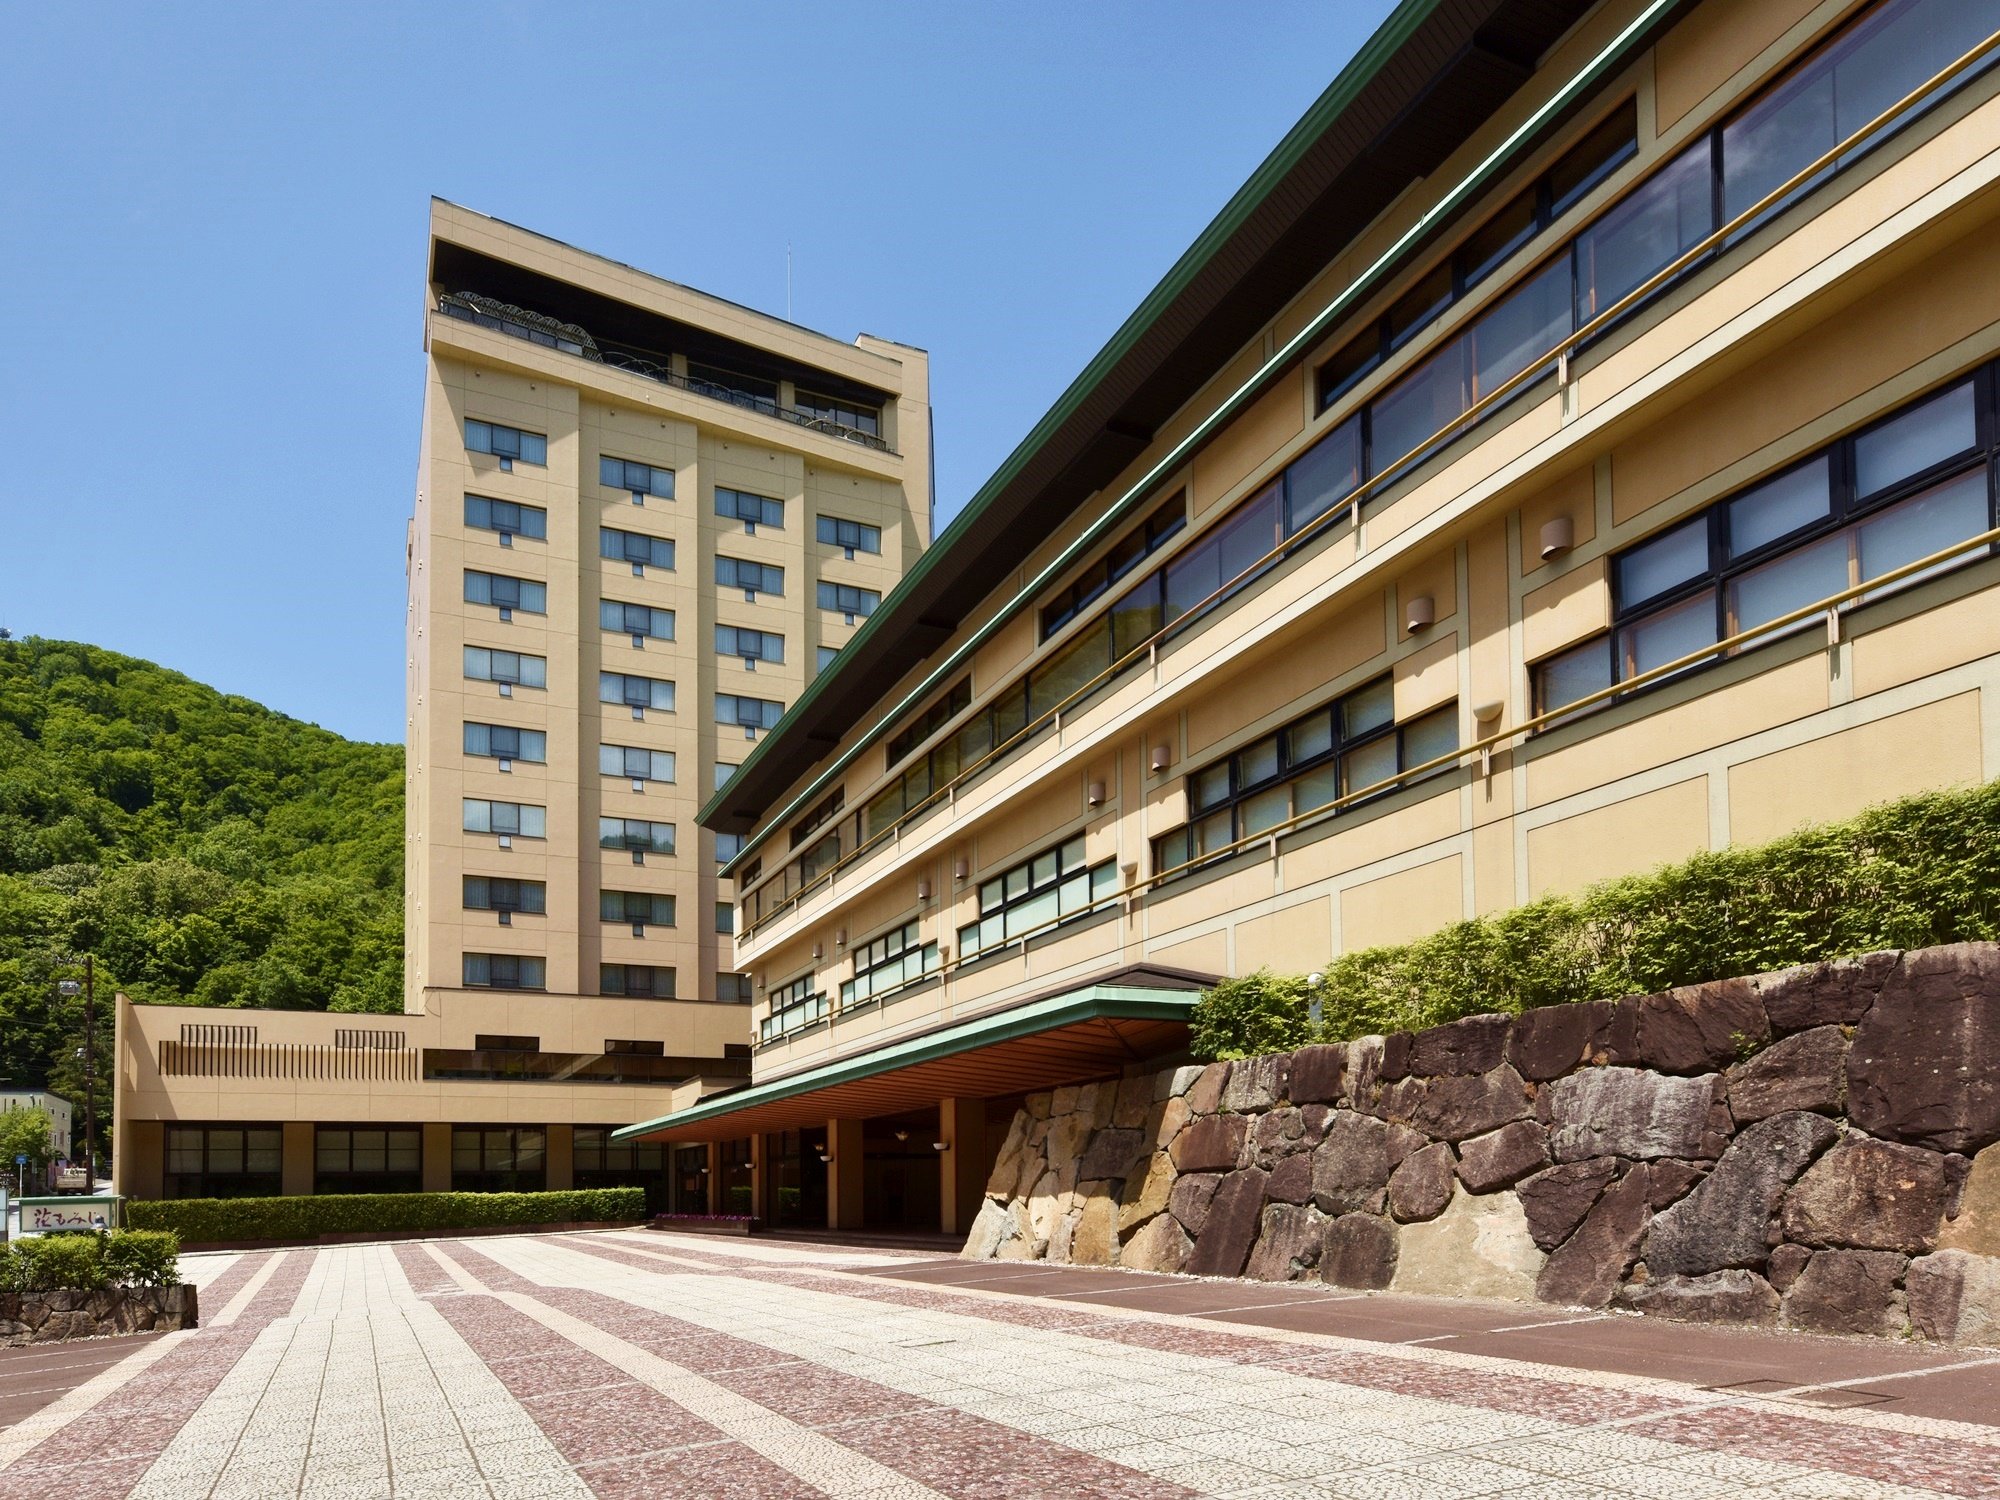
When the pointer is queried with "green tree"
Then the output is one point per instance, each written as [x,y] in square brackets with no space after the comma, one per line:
[26,1132]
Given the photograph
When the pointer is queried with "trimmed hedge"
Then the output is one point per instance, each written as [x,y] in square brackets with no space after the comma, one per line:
[218,1220]
[1908,874]
[85,1262]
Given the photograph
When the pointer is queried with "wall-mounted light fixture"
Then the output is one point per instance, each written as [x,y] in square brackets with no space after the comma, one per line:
[902,1135]
[960,868]
[1161,758]
[840,938]
[1558,536]
[1095,792]
[819,949]
[923,888]
[1420,614]
[940,1145]
[827,1157]
[1487,717]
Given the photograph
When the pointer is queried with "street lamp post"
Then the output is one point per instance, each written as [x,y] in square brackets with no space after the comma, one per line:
[69,988]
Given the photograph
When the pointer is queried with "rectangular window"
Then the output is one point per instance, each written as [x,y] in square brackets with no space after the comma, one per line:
[514,668]
[852,415]
[752,510]
[367,1159]
[492,893]
[499,1159]
[930,720]
[636,548]
[224,1161]
[897,958]
[635,692]
[506,593]
[848,600]
[749,713]
[1167,521]
[850,536]
[733,989]
[725,917]
[751,645]
[635,981]
[739,390]
[639,908]
[793,1007]
[1052,887]
[635,620]
[506,517]
[635,834]
[828,809]
[723,771]
[727,847]
[751,577]
[1349,747]
[636,762]
[504,971]
[505,742]
[508,444]
[823,657]
[635,478]
[512,819]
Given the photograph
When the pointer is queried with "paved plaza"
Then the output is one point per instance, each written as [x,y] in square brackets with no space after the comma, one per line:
[635,1365]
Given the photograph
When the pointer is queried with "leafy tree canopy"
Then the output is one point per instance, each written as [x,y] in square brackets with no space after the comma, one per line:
[203,848]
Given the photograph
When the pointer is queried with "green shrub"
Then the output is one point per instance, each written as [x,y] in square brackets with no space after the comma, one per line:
[57,1262]
[209,1220]
[1908,874]
[142,1257]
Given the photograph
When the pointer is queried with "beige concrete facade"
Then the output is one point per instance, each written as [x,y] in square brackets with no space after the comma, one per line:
[697,401]
[1871,291]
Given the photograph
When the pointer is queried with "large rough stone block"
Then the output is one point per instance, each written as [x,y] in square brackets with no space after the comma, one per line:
[1478,1247]
[1975,1227]
[1351,1166]
[1829,994]
[1553,1040]
[1719,1297]
[1588,1268]
[1807,1070]
[1007,1163]
[1785,1264]
[1173,1083]
[1420,1187]
[1848,1291]
[1204,1095]
[1210,1143]
[1255,1083]
[1725,1221]
[1160,1245]
[1502,1157]
[1146,1193]
[1472,1044]
[1191,1199]
[1317,1074]
[1095,1239]
[1701,1027]
[1955,1297]
[1555,1201]
[993,1226]
[1452,1108]
[1291,1180]
[1628,1112]
[1233,1219]
[1134,1102]
[1925,1064]
[1288,1243]
[1114,1154]
[1278,1132]
[1869,1195]
[1358,1250]
[1166,1120]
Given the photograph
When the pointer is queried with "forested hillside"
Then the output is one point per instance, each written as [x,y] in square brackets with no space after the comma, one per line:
[202,847]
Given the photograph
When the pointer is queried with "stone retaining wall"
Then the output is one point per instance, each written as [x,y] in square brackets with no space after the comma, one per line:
[1813,1148]
[45,1317]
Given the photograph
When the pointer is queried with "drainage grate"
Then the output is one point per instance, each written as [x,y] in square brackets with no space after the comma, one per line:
[1838,1398]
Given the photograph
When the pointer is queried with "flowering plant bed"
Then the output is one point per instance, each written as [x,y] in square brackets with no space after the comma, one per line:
[741,1224]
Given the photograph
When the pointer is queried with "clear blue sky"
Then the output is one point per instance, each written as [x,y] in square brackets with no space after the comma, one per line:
[212,254]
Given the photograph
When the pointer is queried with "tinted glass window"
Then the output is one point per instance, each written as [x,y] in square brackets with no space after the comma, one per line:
[1663,563]
[1923,436]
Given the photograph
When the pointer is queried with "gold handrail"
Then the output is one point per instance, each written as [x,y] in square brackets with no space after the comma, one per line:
[1349,507]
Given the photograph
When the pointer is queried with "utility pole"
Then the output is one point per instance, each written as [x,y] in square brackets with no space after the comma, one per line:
[69,988]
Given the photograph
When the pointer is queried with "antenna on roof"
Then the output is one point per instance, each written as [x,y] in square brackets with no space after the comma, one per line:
[788,281]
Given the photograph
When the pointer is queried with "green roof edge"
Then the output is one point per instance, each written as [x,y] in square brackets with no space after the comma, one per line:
[1338,95]
[1093,1002]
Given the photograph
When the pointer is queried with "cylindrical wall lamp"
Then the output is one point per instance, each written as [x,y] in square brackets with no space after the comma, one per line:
[1420,614]
[960,868]
[1162,757]
[1095,792]
[923,888]
[1558,536]
[819,949]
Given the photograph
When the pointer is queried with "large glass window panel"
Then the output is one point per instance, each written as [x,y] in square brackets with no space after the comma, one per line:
[1925,435]
[1250,533]
[1265,810]
[1084,659]
[1367,708]
[1309,738]
[1316,788]
[1373,763]
[1136,617]
[1419,304]
[1776,137]
[1779,507]
[1499,237]
[1324,475]
[1662,218]
[1667,636]
[1429,737]
[1786,583]
[1593,158]
[1258,762]
[1192,577]
[1923,524]
[1520,329]
[1353,360]
[1211,787]
[1037,911]
[1414,410]
[1574,674]
[1894,50]
[1664,563]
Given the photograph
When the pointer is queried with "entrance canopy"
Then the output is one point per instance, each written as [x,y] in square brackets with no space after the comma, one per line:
[1069,1037]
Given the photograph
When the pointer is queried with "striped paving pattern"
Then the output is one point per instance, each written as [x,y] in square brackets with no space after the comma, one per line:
[629,1366]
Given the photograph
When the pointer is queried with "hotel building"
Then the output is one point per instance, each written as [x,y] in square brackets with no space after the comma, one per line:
[646,519]
[1572,449]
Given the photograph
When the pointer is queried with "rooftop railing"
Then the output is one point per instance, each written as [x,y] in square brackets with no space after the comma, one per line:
[569,338]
